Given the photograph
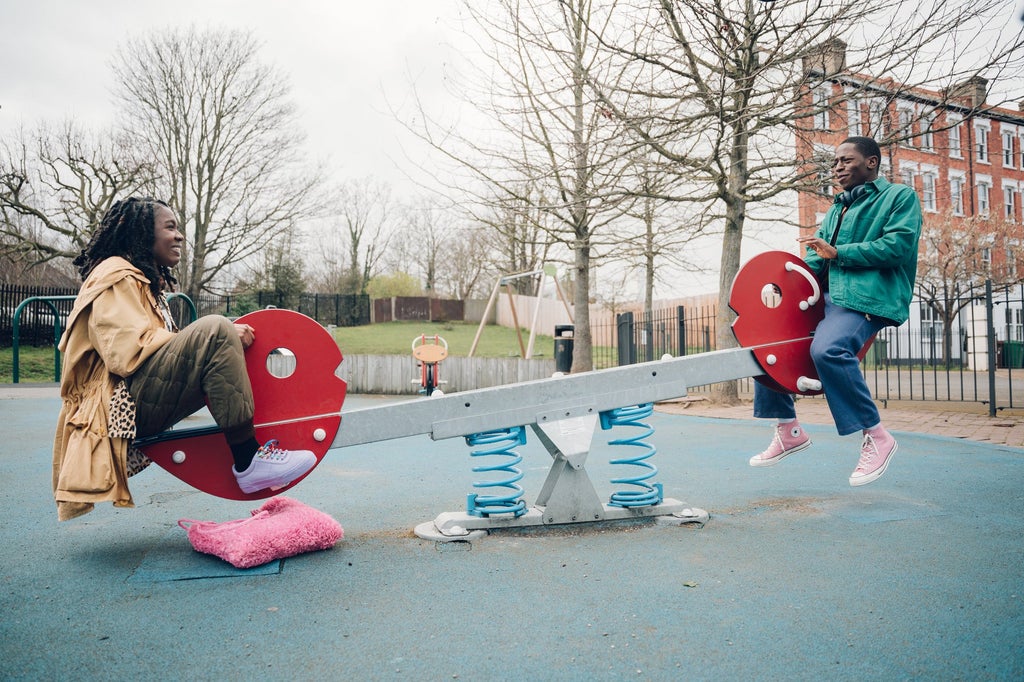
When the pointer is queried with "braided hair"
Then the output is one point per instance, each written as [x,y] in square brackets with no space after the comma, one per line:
[127,230]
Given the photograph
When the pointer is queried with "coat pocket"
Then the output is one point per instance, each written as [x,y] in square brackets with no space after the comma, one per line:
[88,465]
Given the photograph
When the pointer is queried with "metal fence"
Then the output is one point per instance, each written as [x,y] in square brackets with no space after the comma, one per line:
[980,359]
[36,323]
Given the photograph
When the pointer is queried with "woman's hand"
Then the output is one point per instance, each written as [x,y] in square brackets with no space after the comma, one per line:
[246,334]
[820,247]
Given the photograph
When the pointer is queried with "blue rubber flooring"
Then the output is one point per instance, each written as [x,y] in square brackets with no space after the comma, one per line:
[797,576]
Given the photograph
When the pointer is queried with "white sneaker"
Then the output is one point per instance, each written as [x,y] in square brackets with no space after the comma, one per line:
[274,468]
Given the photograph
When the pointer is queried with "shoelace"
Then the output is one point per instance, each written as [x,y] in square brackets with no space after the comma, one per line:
[776,441]
[271,451]
[868,451]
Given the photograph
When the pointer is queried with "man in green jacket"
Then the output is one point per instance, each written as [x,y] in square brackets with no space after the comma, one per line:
[865,256]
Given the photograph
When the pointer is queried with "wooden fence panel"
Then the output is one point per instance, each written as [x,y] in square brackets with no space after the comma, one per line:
[396,374]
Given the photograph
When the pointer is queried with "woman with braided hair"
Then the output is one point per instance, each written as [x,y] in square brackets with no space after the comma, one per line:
[129,372]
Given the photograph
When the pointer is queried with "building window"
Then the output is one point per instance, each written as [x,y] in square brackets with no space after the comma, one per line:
[1011,260]
[853,117]
[984,194]
[927,136]
[907,176]
[876,118]
[986,258]
[955,149]
[906,123]
[1014,324]
[821,95]
[822,159]
[928,191]
[1008,149]
[1010,203]
[981,143]
[956,195]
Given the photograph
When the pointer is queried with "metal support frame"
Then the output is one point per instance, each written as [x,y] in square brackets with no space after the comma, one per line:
[563,412]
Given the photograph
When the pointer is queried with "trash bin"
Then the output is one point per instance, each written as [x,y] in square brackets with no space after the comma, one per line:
[563,347]
[877,356]
[1013,354]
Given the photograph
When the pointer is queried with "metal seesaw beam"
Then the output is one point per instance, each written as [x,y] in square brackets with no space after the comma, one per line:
[544,400]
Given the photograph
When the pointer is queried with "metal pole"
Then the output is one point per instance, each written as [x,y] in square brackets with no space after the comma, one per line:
[990,332]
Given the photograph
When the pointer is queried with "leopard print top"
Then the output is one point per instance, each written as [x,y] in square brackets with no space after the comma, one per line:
[122,408]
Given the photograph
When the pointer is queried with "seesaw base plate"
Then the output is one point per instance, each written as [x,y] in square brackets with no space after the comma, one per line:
[462,527]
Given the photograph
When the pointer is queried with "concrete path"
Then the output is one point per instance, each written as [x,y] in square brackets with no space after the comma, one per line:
[797,576]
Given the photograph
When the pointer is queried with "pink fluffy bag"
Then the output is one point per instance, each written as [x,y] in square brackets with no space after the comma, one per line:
[281,528]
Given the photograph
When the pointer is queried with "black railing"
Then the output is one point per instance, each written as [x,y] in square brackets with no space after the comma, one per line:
[979,360]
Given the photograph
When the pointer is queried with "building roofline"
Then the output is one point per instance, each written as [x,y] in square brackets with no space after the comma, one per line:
[892,89]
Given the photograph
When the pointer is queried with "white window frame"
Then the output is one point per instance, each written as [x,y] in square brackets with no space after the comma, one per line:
[981,150]
[956,192]
[956,140]
[983,189]
[1011,198]
[908,171]
[822,98]
[927,135]
[876,118]
[929,187]
[823,156]
[853,116]
[905,123]
[1007,135]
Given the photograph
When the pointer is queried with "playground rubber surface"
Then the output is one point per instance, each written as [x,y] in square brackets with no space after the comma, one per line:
[796,576]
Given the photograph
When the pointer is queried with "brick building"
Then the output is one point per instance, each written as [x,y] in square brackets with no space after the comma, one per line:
[964,157]
[960,154]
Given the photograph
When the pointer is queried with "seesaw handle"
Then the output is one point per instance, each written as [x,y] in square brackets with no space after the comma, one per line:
[811,279]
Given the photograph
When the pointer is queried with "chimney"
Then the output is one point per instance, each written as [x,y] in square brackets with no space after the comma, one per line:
[972,91]
[828,58]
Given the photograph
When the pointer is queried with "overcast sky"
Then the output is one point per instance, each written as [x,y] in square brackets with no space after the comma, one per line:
[345,61]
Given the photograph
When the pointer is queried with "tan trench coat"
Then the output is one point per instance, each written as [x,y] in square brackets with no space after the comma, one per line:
[114,326]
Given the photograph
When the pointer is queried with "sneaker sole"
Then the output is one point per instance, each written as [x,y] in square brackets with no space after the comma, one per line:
[877,474]
[756,460]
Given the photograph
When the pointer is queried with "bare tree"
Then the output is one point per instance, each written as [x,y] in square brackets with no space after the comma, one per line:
[55,186]
[960,253]
[219,126]
[735,79]
[517,235]
[556,149]
[359,234]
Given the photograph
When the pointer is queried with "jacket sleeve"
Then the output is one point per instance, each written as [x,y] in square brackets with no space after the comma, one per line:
[894,244]
[124,329]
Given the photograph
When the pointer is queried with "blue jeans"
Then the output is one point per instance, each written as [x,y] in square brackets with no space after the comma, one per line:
[837,340]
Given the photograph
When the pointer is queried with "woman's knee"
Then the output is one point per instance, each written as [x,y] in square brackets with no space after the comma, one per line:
[213,327]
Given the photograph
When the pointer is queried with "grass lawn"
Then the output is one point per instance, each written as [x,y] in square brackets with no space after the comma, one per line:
[395,338]
[389,338]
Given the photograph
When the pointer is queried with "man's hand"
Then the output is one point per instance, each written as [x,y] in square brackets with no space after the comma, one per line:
[246,334]
[820,247]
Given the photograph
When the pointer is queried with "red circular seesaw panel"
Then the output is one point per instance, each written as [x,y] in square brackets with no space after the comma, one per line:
[779,304]
[301,410]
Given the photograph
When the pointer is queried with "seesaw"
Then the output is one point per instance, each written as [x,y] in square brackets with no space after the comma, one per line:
[778,303]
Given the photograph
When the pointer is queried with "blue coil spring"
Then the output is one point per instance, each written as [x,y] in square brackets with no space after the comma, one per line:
[504,442]
[644,493]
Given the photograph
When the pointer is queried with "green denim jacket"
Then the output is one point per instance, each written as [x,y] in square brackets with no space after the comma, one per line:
[876,267]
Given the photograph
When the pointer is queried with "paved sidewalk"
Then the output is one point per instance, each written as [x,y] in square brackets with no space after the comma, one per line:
[969,421]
